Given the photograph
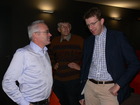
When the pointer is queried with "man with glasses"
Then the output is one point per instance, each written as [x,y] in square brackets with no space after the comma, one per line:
[109,64]
[66,56]
[31,68]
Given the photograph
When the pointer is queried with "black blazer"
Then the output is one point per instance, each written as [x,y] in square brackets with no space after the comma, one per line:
[122,63]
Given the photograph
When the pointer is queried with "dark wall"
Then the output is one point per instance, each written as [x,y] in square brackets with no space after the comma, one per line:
[5,47]
[5,31]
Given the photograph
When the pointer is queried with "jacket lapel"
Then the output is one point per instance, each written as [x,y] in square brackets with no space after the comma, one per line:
[108,48]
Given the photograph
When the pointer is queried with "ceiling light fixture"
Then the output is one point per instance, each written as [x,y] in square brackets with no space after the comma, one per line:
[48,11]
[116,18]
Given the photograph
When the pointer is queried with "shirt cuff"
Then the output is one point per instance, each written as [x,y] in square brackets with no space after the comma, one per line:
[24,102]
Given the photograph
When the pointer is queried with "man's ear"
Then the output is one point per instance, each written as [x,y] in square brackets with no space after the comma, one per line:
[102,21]
[58,29]
[34,36]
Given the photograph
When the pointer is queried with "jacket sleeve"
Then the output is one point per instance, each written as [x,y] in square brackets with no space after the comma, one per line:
[131,61]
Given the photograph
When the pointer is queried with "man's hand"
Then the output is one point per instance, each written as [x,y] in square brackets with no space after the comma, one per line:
[82,102]
[114,90]
[56,66]
[74,66]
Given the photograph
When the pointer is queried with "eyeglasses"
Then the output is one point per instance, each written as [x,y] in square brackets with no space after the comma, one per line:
[45,32]
[92,24]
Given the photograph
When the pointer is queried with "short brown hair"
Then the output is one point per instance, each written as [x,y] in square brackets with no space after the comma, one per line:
[94,11]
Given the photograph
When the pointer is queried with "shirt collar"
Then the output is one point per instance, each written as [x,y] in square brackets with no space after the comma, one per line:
[67,38]
[103,33]
[36,48]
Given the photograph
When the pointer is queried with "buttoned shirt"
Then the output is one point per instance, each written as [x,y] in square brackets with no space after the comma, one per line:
[98,68]
[31,67]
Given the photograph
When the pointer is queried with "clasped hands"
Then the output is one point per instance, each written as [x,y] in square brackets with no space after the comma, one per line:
[72,65]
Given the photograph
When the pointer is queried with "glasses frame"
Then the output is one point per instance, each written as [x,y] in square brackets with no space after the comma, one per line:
[45,32]
[92,24]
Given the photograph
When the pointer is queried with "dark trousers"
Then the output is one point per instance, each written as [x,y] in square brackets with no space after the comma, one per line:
[41,104]
[44,102]
[67,92]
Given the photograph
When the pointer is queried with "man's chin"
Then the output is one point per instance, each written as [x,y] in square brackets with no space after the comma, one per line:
[48,43]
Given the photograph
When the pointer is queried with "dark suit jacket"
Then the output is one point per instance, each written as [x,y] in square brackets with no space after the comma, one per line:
[122,63]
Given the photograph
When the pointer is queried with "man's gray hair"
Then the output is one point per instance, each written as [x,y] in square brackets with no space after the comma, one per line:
[60,23]
[34,27]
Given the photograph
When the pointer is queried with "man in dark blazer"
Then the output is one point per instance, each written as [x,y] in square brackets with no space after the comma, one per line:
[109,64]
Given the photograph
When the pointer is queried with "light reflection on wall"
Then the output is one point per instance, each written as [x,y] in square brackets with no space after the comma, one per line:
[123,4]
[46,5]
[114,14]
[50,5]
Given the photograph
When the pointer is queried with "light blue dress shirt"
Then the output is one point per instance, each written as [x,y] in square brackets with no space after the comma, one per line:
[31,67]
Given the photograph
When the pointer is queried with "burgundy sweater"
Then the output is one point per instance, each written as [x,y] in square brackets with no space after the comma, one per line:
[65,52]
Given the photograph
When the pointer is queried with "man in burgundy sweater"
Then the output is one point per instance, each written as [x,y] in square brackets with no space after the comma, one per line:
[66,56]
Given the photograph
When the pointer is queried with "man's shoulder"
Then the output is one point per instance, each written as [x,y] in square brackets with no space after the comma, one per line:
[56,38]
[114,32]
[23,49]
[77,37]
[19,52]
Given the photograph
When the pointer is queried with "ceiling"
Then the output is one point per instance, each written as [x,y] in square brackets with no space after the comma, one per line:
[129,4]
